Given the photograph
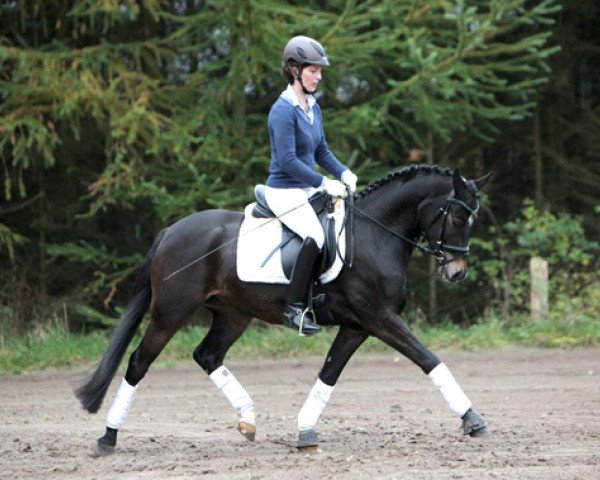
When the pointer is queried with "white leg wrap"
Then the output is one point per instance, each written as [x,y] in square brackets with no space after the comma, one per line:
[450,390]
[314,405]
[235,393]
[121,404]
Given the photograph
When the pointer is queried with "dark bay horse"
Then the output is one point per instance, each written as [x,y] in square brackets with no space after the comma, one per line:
[364,300]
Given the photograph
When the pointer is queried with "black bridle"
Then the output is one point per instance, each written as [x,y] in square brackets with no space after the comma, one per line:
[440,246]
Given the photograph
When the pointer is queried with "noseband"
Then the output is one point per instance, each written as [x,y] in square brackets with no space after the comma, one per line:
[440,245]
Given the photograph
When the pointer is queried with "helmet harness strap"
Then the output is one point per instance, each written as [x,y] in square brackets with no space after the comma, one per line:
[299,78]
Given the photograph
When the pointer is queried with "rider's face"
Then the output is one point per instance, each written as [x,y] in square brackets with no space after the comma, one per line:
[311,76]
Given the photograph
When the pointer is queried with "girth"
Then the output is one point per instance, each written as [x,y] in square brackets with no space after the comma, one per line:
[290,241]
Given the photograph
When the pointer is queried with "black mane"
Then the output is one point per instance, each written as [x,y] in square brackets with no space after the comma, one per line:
[405,174]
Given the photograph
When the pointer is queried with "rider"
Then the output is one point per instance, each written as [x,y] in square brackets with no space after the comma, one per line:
[297,142]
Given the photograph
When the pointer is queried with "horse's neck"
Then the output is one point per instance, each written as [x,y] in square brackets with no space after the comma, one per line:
[396,203]
[396,206]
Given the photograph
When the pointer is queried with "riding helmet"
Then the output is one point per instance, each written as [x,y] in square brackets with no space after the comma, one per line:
[304,50]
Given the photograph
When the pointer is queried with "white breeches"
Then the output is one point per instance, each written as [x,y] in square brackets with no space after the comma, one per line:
[292,207]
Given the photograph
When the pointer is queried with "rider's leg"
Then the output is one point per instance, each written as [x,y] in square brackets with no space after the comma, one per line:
[292,208]
[294,315]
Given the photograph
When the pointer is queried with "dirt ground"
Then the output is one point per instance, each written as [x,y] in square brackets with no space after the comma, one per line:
[385,420]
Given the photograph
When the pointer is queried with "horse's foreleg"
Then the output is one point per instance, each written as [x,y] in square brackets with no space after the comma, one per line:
[395,333]
[473,424]
[345,344]
[210,354]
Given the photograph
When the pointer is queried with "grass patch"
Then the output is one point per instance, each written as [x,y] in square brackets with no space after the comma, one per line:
[265,341]
[49,348]
[54,347]
[558,331]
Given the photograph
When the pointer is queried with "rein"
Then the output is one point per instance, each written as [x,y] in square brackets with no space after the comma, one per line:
[440,245]
[348,224]
[391,232]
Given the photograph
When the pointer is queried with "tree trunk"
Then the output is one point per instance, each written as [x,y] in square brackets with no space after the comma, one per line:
[537,159]
[433,307]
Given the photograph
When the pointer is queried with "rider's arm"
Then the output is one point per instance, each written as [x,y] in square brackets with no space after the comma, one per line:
[323,155]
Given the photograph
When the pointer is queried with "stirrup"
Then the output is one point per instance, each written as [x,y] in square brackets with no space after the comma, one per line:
[296,317]
[301,322]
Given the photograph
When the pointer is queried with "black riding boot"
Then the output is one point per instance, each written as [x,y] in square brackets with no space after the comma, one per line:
[295,313]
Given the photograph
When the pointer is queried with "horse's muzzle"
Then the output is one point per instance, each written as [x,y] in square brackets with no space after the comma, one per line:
[453,269]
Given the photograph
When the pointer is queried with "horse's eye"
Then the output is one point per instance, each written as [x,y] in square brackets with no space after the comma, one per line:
[458,222]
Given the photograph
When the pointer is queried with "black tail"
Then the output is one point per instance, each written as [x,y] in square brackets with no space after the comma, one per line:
[92,391]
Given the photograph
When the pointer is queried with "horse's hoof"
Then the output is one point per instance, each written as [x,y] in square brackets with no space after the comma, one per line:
[307,441]
[102,449]
[473,424]
[106,444]
[480,432]
[247,430]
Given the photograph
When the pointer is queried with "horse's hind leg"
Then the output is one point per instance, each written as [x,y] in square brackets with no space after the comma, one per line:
[160,330]
[345,344]
[224,331]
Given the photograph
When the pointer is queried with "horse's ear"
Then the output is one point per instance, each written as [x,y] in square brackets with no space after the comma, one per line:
[480,182]
[460,189]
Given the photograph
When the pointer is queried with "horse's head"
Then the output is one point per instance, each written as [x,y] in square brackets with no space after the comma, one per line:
[447,221]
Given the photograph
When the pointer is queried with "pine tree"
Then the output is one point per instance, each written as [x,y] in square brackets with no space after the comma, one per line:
[132,114]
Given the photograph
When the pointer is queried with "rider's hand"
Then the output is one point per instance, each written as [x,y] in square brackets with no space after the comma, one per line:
[348,178]
[334,187]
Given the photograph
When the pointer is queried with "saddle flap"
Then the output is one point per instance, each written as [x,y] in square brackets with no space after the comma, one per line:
[260,257]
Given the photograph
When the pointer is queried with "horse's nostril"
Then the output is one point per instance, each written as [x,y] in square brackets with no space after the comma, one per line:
[458,275]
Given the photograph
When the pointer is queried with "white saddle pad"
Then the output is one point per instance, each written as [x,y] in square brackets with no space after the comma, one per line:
[258,238]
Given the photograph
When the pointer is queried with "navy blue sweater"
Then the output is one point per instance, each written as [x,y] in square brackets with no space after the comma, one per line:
[295,147]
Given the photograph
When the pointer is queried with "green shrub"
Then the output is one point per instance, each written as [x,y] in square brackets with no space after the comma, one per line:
[558,238]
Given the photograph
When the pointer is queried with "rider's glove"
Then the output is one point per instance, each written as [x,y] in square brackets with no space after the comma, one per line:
[348,178]
[334,187]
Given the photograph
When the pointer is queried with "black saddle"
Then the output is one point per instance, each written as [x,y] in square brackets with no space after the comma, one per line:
[290,241]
